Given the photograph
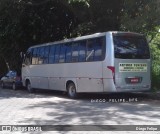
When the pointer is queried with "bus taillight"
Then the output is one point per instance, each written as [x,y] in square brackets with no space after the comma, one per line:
[112,68]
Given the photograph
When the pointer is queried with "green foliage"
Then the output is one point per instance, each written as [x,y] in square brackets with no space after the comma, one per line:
[140,16]
[24,23]
[155,51]
[96,16]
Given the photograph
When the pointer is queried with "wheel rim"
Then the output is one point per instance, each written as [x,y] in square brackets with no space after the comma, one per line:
[72,91]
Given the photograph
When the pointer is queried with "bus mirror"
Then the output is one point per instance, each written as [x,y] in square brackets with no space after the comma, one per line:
[22,55]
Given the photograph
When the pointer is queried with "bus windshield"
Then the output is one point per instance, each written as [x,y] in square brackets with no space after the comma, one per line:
[130,46]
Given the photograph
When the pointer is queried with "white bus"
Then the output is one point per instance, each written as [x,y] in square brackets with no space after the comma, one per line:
[102,62]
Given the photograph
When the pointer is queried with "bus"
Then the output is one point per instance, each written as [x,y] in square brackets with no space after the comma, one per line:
[98,63]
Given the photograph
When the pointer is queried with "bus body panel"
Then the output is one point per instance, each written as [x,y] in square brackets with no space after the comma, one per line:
[37,74]
[55,76]
[80,73]
[129,79]
[89,78]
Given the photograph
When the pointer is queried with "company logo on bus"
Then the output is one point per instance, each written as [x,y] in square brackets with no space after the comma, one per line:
[132,67]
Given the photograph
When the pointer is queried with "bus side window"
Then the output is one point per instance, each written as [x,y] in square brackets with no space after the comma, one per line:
[62,53]
[40,55]
[98,49]
[75,52]
[82,51]
[34,56]
[68,53]
[46,54]
[51,54]
[57,51]
[90,49]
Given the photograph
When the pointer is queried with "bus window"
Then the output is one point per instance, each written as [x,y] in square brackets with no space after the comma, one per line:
[46,53]
[62,53]
[75,52]
[40,55]
[98,49]
[57,51]
[51,54]
[34,56]
[82,51]
[130,47]
[68,52]
[90,49]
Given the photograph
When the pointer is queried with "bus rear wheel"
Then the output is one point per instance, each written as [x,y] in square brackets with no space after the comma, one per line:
[71,90]
[29,87]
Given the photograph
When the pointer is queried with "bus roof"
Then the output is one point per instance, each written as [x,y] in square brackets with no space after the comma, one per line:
[84,37]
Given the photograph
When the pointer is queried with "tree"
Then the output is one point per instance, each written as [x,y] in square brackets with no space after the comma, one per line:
[141,16]
[24,23]
[97,15]
[155,51]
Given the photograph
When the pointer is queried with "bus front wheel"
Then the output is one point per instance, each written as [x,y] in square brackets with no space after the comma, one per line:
[29,87]
[71,89]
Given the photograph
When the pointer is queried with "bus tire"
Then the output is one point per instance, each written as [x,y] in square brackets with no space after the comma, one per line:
[71,90]
[29,87]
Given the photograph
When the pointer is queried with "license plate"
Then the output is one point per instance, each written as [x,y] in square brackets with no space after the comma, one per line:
[134,80]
